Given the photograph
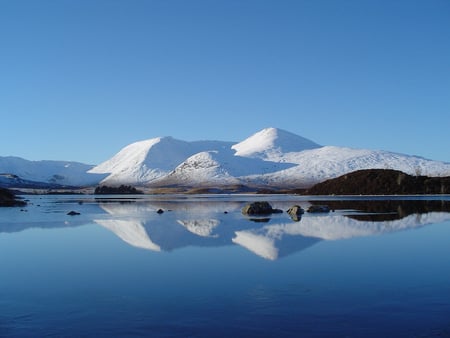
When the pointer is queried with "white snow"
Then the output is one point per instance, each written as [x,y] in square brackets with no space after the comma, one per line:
[316,165]
[55,172]
[269,157]
[267,241]
[271,144]
[200,227]
[130,231]
[146,161]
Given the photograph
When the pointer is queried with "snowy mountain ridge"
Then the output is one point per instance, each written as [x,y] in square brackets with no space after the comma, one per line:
[271,157]
[272,144]
[52,172]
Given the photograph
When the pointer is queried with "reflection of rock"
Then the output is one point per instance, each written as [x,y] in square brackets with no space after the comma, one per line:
[202,227]
[318,208]
[386,210]
[130,231]
[260,219]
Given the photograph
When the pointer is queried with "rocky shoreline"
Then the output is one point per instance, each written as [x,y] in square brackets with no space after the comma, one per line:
[9,199]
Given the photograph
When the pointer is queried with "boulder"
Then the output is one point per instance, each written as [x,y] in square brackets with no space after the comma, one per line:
[295,212]
[259,208]
[73,213]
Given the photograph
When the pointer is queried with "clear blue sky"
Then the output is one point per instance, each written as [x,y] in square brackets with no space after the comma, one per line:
[81,79]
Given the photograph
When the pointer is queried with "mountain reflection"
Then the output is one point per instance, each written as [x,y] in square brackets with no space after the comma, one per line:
[217,221]
[131,231]
[206,224]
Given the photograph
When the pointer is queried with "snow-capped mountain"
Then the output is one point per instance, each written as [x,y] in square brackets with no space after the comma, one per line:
[273,145]
[49,172]
[317,165]
[145,161]
[218,168]
[270,157]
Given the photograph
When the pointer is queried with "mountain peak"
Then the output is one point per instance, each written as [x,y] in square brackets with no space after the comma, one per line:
[269,142]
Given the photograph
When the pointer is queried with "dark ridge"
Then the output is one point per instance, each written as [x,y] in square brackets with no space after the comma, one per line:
[381,182]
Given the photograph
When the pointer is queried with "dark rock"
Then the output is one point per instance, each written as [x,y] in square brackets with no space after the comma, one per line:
[296,212]
[259,208]
[159,211]
[8,199]
[73,213]
[318,208]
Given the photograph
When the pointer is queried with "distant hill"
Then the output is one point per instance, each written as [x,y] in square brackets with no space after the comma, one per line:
[381,182]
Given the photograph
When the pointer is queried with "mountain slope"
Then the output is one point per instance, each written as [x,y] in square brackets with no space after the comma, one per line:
[317,165]
[271,157]
[145,161]
[49,172]
[272,144]
[218,168]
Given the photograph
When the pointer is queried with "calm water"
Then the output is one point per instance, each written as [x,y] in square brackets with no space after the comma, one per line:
[375,267]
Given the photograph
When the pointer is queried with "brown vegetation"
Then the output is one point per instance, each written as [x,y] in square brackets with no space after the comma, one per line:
[381,182]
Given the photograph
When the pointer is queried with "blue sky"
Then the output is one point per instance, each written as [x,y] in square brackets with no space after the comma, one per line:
[81,79]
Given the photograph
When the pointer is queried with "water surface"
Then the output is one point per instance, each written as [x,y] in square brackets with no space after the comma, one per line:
[376,266]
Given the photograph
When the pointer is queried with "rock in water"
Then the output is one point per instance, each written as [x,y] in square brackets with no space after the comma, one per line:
[295,212]
[259,208]
[8,199]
